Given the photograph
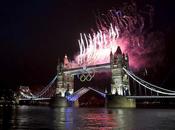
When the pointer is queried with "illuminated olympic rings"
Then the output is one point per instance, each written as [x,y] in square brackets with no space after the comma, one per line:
[86,76]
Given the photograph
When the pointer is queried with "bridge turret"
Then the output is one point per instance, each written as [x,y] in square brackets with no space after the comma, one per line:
[118,51]
[118,57]
[60,66]
[111,59]
[66,62]
[126,61]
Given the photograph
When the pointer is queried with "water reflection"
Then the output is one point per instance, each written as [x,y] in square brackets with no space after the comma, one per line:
[6,118]
[83,118]
[29,117]
[63,118]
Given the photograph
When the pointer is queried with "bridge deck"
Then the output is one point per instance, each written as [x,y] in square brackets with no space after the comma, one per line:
[34,99]
[150,97]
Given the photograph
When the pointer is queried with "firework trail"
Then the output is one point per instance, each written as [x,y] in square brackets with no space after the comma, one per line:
[124,28]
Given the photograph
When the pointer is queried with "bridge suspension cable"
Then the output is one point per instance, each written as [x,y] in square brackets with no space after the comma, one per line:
[29,95]
[47,87]
[158,91]
[149,83]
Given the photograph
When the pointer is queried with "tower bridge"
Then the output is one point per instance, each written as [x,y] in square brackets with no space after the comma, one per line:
[120,80]
[125,87]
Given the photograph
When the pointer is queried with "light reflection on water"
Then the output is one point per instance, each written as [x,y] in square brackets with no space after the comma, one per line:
[32,118]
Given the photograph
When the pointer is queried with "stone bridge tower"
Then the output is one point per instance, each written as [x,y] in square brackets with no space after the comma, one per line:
[120,80]
[65,82]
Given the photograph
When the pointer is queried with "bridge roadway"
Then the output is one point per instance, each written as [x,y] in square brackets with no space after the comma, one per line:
[129,97]
[150,97]
[34,99]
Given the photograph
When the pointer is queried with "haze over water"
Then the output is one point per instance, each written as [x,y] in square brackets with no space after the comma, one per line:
[47,118]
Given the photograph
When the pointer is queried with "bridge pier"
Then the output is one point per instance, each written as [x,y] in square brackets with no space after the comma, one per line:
[59,101]
[113,101]
[74,104]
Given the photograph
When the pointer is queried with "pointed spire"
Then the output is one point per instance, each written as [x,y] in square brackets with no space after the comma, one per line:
[59,66]
[126,60]
[118,51]
[65,56]
[123,55]
[111,53]
[66,61]
[111,57]
[126,57]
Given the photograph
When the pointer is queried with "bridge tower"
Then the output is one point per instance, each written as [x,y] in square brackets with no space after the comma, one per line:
[60,80]
[65,82]
[120,81]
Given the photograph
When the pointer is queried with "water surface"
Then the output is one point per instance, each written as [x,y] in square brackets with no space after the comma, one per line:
[37,117]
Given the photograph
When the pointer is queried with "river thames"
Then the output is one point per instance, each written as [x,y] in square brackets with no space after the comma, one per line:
[47,118]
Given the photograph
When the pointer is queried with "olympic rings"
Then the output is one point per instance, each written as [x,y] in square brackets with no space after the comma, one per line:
[86,76]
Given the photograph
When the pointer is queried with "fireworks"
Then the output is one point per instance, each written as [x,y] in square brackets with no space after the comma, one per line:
[124,28]
[96,49]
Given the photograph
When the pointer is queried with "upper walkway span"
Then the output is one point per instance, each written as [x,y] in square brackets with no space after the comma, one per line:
[92,68]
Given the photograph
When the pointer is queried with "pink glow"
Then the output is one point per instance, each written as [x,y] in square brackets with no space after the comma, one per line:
[115,28]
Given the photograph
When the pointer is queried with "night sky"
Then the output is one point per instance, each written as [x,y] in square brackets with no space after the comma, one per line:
[33,34]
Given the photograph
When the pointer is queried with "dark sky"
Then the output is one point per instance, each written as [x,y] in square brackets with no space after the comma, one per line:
[34,33]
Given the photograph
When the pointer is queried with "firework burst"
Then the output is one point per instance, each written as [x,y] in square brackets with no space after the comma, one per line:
[124,28]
